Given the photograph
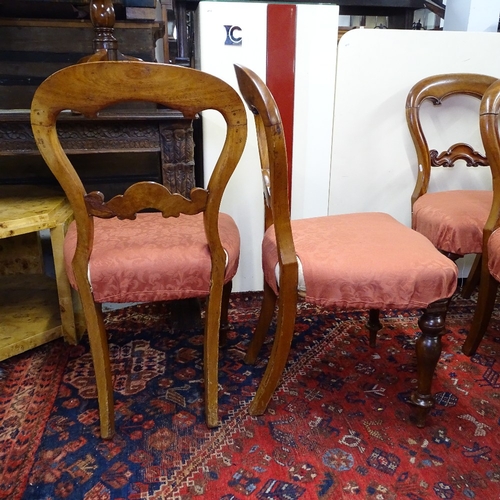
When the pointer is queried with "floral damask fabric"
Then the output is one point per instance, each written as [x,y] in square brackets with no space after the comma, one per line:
[453,220]
[153,258]
[364,260]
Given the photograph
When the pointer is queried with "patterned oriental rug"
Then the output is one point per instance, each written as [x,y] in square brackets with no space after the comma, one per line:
[340,425]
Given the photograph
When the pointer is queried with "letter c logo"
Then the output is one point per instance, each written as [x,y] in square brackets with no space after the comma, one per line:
[231,37]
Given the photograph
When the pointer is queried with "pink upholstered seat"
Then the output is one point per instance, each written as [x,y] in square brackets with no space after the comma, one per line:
[153,258]
[453,220]
[349,263]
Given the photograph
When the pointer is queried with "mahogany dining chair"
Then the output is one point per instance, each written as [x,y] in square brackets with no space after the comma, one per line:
[453,219]
[490,268]
[361,261]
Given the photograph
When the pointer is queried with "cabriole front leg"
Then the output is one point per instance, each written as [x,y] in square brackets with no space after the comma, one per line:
[428,350]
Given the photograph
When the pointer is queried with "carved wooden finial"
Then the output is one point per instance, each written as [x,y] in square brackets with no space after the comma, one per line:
[102,15]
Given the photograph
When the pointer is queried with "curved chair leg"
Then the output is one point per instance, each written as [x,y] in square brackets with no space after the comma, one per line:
[211,350]
[428,348]
[99,348]
[265,318]
[485,303]
[100,357]
[105,381]
[224,319]
[373,324]
[473,278]
[287,311]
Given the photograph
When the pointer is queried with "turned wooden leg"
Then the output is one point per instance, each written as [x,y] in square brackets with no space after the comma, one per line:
[428,348]
[265,318]
[373,324]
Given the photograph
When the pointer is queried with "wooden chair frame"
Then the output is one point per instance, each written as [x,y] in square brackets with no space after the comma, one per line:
[436,89]
[89,87]
[488,285]
[272,151]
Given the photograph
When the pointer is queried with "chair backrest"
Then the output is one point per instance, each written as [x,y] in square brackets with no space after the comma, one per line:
[489,112]
[274,164]
[437,88]
[90,87]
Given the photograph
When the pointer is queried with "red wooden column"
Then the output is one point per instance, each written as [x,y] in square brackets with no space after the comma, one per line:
[280,68]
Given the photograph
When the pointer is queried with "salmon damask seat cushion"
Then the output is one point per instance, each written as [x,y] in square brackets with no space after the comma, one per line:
[453,220]
[364,261]
[128,261]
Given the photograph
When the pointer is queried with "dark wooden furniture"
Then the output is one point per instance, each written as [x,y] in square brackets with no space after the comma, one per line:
[114,149]
[352,261]
[32,49]
[122,256]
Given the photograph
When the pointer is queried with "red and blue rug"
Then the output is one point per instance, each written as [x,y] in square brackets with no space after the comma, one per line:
[340,425]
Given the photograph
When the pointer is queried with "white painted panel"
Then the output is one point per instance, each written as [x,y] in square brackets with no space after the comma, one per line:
[315,76]
[315,58]
[243,197]
[374,162]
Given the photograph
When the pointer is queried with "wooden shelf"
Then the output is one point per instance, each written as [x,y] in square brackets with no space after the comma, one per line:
[34,308]
[29,312]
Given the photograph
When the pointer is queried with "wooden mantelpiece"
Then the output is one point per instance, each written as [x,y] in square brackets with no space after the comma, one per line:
[111,151]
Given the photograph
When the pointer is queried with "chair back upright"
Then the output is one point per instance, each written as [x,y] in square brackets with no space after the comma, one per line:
[274,166]
[490,134]
[451,218]
[489,112]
